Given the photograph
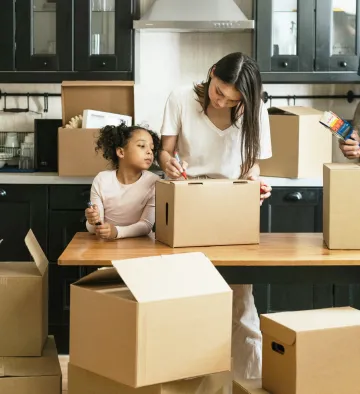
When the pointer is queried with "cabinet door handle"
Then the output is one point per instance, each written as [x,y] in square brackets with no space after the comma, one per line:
[2,193]
[343,64]
[294,196]
[285,64]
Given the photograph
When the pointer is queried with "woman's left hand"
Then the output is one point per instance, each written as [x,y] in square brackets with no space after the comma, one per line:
[265,189]
[106,231]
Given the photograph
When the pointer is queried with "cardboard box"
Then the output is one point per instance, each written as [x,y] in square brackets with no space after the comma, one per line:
[38,375]
[77,156]
[24,303]
[250,386]
[159,328]
[207,212]
[341,210]
[300,144]
[81,381]
[311,352]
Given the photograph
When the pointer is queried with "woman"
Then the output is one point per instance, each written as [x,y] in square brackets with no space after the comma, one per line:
[220,129]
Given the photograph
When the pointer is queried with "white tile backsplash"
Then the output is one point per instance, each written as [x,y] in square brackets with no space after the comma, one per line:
[167,60]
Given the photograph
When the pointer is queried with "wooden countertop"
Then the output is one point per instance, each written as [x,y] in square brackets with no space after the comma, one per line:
[275,249]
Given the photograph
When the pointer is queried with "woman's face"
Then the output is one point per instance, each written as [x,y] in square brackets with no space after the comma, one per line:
[223,95]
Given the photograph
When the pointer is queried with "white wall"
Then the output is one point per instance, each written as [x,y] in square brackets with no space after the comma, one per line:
[168,60]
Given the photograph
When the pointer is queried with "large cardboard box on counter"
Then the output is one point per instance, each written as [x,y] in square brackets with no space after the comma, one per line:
[341,209]
[311,352]
[77,156]
[172,321]
[207,212]
[300,144]
[38,375]
[24,303]
[81,381]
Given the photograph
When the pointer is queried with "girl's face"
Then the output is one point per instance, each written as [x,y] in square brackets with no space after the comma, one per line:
[138,152]
[223,95]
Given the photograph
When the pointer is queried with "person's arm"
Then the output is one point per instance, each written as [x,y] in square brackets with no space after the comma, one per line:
[96,199]
[144,225]
[170,130]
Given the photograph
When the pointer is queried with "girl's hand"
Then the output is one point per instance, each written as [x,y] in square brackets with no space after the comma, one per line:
[265,189]
[350,148]
[106,231]
[173,169]
[92,215]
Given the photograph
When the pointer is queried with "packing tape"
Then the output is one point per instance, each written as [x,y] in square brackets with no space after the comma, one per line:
[2,368]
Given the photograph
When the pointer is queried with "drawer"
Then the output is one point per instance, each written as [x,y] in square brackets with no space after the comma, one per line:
[69,197]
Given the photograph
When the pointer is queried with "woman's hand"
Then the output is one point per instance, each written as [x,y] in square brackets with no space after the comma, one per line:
[106,231]
[265,189]
[173,169]
[92,215]
[350,148]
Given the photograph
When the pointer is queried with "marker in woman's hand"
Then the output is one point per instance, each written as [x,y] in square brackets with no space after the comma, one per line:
[177,157]
[90,205]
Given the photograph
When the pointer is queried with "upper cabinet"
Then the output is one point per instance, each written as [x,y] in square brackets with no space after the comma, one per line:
[56,40]
[308,40]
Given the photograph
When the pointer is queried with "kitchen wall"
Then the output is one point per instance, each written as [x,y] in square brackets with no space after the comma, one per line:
[167,60]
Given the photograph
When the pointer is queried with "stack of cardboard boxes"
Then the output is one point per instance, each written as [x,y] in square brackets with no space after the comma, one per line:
[28,357]
[166,330]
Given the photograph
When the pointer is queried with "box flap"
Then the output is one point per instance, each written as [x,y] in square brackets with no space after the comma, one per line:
[250,386]
[311,320]
[278,331]
[99,277]
[109,96]
[168,277]
[46,365]
[343,166]
[294,110]
[36,252]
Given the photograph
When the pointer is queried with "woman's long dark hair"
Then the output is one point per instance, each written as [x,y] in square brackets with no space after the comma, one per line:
[243,72]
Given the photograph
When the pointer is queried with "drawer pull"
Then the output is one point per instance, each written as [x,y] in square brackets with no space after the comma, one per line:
[294,196]
[2,193]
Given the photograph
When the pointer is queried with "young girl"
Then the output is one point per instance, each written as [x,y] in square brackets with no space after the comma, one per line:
[220,129]
[124,199]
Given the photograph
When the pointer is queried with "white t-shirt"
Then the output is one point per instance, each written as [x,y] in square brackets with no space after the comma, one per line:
[130,208]
[207,149]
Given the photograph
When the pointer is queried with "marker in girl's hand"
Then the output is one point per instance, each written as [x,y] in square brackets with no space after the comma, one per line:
[90,205]
[177,157]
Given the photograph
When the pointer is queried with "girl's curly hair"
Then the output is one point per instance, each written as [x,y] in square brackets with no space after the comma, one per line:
[113,137]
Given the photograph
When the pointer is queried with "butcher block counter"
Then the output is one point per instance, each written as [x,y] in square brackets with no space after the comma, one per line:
[279,258]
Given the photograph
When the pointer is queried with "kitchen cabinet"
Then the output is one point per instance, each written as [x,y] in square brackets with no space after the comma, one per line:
[314,41]
[54,40]
[21,207]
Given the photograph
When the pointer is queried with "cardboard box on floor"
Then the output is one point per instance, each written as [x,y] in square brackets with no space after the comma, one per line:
[24,303]
[77,156]
[311,352]
[81,381]
[207,212]
[171,322]
[300,144]
[250,386]
[40,375]
[341,210]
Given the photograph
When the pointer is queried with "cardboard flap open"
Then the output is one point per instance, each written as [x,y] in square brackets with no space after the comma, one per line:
[295,110]
[36,252]
[109,96]
[46,365]
[99,277]
[276,330]
[170,277]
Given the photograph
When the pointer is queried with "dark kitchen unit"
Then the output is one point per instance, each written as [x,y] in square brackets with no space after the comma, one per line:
[55,212]
[49,41]
[308,41]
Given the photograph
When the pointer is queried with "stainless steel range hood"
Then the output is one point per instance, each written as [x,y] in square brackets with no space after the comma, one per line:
[194,16]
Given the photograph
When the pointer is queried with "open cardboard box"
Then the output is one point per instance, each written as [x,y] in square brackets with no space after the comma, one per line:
[173,320]
[24,304]
[77,156]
